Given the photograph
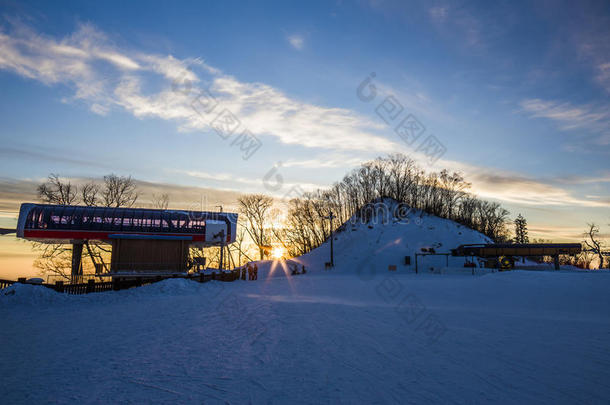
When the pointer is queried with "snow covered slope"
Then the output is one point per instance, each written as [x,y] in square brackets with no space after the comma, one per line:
[357,334]
[514,337]
[385,240]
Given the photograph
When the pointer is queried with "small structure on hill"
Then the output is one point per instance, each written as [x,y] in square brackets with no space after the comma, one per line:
[504,252]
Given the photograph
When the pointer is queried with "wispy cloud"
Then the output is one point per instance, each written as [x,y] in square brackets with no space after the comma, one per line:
[554,232]
[228,181]
[592,40]
[510,187]
[603,75]
[106,77]
[604,178]
[38,153]
[325,162]
[222,177]
[297,41]
[439,14]
[458,24]
[594,118]
[528,191]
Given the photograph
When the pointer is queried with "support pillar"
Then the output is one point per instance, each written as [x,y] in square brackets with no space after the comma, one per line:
[556,261]
[77,254]
[222,249]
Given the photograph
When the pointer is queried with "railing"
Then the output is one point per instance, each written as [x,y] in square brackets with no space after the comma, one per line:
[122,282]
[6,283]
[69,279]
[82,288]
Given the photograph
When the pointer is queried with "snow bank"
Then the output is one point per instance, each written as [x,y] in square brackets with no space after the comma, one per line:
[171,286]
[29,294]
[35,295]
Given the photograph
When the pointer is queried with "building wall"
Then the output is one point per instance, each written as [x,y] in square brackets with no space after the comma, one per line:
[149,256]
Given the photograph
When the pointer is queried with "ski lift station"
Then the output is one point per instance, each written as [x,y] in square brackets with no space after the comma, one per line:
[144,241]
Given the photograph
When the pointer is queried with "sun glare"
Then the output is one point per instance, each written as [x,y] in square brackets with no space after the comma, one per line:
[278,252]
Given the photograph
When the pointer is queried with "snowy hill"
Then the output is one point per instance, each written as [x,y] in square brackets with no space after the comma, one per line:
[386,238]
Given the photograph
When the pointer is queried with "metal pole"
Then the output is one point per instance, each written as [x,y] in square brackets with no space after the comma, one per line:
[332,255]
[222,247]
[77,253]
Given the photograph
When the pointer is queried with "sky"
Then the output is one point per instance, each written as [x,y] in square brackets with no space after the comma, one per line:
[206,98]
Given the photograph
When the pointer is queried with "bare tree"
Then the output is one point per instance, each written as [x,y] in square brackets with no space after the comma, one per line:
[57,191]
[584,259]
[119,191]
[53,259]
[89,194]
[160,201]
[116,191]
[255,208]
[594,244]
[239,245]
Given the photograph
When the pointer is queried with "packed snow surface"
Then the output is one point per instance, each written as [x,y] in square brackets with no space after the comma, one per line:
[356,334]
[510,337]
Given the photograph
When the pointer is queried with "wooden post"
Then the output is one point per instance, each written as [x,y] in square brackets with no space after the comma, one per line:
[59,286]
[90,286]
[556,261]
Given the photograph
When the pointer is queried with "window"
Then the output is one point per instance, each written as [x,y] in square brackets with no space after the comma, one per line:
[97,219]
[66,218]
[165,221]
[108,219]
[146,223]
[156,221]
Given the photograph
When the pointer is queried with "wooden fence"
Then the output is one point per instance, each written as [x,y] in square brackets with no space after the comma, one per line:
[122,283]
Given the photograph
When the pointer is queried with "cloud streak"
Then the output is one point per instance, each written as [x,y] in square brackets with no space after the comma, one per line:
[527,191]
[572,117]
[296,41]
[106,77]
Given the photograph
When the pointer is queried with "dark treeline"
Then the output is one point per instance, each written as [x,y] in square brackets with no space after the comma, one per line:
[397,177]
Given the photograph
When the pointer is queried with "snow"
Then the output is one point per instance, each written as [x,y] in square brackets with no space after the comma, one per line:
[343,336]
[365,246]
[29,294]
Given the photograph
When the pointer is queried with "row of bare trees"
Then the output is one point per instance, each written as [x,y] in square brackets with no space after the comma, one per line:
[112,191]
[396,177]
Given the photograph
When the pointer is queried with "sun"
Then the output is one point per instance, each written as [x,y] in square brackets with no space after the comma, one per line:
[278,252]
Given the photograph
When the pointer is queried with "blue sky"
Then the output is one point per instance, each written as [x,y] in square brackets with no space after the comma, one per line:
[517,93]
